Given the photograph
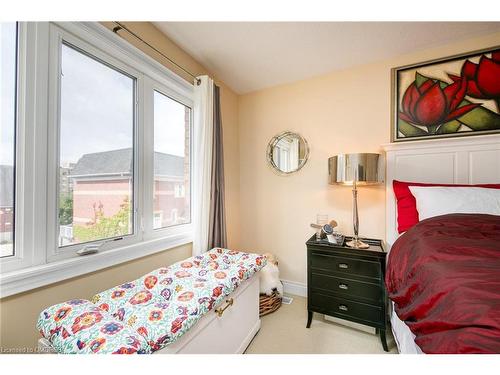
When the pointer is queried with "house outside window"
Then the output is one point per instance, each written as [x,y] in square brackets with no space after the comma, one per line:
[172,145]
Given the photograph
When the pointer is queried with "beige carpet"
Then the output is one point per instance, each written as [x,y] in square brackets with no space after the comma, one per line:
[285,332]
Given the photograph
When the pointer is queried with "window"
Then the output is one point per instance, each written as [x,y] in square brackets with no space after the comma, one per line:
[180,191]
[95,146]
[172,147]
[8,63]
[96,150]
[157,219]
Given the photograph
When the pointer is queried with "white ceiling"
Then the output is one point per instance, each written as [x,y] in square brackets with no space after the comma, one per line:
[250,56]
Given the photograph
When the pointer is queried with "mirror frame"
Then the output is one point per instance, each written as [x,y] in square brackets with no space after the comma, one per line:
[269,152]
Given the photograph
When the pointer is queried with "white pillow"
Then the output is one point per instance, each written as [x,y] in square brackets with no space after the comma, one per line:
[440,200]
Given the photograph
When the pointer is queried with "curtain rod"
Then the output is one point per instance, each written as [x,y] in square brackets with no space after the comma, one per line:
[123,27]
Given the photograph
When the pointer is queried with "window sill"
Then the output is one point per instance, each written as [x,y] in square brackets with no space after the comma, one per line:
[34,277]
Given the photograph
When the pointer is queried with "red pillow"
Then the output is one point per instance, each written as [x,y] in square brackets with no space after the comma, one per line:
[407,205]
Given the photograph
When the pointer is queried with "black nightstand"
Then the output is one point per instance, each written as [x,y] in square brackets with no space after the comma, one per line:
[347,283]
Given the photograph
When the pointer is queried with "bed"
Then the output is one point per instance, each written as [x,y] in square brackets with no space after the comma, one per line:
[471,160]
[443,276]
[208,304]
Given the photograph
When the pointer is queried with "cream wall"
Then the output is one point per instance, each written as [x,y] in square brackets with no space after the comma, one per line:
[344,111]
[18,313]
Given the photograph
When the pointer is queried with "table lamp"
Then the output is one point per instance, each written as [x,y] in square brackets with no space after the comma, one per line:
[356,170]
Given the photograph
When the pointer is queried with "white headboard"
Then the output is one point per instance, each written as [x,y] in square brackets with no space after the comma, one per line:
[465,160]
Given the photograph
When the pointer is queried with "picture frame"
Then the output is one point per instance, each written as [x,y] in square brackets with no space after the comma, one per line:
[453,96]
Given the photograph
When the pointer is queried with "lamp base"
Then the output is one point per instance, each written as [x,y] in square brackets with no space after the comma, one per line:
[357,244]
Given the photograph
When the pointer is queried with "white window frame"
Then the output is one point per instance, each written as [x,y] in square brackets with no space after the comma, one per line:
[150,86]
[58,37]
[36,215]
[29,169]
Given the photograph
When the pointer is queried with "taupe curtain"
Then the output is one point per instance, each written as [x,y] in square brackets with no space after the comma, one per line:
[217,221]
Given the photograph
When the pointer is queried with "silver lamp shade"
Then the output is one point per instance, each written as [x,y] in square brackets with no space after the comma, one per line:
[365,169]
[356,170]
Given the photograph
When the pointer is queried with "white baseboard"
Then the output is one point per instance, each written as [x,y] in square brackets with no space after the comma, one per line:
[295,288]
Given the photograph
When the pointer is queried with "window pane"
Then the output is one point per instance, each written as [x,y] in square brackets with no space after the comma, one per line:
[172,149]
[8,71]
[96,150]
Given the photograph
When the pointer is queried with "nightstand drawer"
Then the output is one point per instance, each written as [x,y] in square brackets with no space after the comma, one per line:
[345,266]
[347,309]
[349,288]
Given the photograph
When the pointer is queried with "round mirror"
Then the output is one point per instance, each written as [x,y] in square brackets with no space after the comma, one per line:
[287,152]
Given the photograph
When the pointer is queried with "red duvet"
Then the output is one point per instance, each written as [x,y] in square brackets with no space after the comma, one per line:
[444,278]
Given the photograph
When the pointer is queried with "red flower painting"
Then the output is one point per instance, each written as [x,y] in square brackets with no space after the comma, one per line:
[465,102]
[430,105]
[483,78]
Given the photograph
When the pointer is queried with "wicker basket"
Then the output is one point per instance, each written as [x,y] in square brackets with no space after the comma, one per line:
[269,304]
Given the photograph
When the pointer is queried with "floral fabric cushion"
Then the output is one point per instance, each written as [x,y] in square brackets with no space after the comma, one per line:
[78,326]
[160,306]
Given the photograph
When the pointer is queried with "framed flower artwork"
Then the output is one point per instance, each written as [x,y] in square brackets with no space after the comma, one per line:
[449,97]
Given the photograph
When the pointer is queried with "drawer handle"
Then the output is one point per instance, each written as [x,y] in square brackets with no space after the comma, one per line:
[221,310]
[343,308]
[343,265]
[343,286]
